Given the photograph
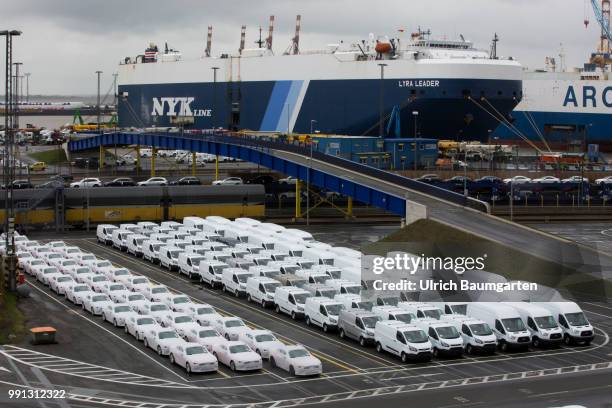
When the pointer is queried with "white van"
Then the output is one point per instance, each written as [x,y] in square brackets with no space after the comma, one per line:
[292,248]
[134,244]
[290,300]
[313,276]
[354,302]
[318,289]
[211,272]
[237,234]
[294,234]
[145,226]
[357,325]
[120,238]
[444,336]
[261,240]
[406,341]
[422,310]
[452,308]
[247,222]
[234,280]
[194,222]
[576,328]
[505,322]
[168,257]
[173,225]
[344,286]
[261,289]
[150,250]
[188,263]
[104,233]
[540,322]
[130,227]
[319,257]
[477,335]
[393,313]
[160,236]
[265,271]
[218,219]
[323,312]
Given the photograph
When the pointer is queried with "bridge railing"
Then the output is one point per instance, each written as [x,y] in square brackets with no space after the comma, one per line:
[304,150]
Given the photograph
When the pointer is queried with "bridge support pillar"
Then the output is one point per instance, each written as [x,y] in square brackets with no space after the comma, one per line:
[193,163]
[415,212]
[349,208]
[298,202]
[101,158]
[153,156]
[217,167]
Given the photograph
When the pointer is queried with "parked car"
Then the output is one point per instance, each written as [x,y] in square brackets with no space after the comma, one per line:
[604,180]
[20,184]
[136,325]
[161,340]
[193,358]
[230,181]
[517,180]
[237,356]
[262,341]
[120,182]
[429,178]
[546,180]
[86,183]
[296,360]
[206,336]
[575,179]
[186,181]
[38,166]
[154,181]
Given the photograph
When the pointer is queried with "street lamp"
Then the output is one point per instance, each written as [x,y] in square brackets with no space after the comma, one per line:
[214,107]
[312,122]
[416,147]
[9,170]
[98,73]
[381,100]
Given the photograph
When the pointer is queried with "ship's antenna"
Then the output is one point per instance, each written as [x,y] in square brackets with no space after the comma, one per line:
[493,54]
[242,38]
[270,33]
[208,42]
[260,41]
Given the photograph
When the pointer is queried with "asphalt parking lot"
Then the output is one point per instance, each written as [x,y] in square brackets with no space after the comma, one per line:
[597,235]
[98,365]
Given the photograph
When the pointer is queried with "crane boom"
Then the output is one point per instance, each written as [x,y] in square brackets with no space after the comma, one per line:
[602,14]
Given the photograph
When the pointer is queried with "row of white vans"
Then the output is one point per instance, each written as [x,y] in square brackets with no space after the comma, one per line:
[248,257]
[193,335]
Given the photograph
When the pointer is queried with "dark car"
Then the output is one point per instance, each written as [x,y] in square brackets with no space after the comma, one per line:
[263,179]
[64,178]
[87,162]
[120,182]
[458,179]
[186,181]
[20,185]
[429,178]
[51,184]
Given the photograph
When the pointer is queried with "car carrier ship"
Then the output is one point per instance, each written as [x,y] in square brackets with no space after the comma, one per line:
[445,89]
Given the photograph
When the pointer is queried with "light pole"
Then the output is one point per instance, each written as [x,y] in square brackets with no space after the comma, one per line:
[17,93]
[214,107]
[465,165]
[381,100]
[9,175]
[98,73]
[312,122]
[27,76]
[416,147]
[308,183]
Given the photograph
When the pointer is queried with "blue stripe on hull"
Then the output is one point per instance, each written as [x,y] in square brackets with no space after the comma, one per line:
[338,106]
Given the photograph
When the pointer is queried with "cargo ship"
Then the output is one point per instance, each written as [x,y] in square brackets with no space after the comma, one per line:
[444,89]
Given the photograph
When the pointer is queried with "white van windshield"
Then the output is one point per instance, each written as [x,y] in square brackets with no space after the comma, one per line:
[546,322]
[576,319]
[447,332]
[415,336]
[480,329]
[514,324]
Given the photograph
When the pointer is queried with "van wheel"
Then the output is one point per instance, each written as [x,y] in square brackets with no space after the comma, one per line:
[379,347]
[232,366]
[171,358]
[342,335]
[146,343]
[236,293]
[293,316]
[436,352]
[325,328]
[503,346]
[263,303]
[223,288]
[272,362]
[115,322]
[125,329]
[292,371]
[469,349]
[227,336]
[277,309]
[249,298]
[188,368]
[404,357]
[567,339]
[307,321]
[536,342]
[362,341]
[159,350]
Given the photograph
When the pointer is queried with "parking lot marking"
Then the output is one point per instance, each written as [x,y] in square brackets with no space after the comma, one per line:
[5,369]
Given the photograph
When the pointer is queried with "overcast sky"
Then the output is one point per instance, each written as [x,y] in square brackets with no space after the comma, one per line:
[65,41]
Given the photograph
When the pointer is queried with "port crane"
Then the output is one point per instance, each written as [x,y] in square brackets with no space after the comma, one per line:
[601,9]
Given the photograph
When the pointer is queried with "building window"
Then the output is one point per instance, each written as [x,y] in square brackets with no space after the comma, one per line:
[363,160]
[400,147]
